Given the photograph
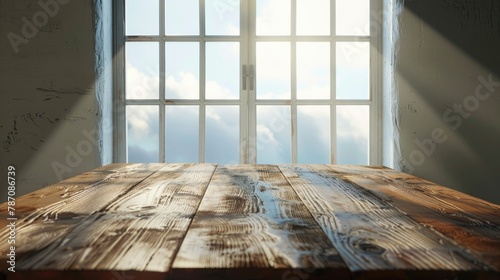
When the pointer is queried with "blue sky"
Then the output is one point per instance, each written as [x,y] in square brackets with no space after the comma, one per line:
[222,82]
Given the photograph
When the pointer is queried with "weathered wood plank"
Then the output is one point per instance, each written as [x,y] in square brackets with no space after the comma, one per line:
[70,189]
[470,221]
[140,231]
[363,169]
[47,215]
[369,233]
[250,217]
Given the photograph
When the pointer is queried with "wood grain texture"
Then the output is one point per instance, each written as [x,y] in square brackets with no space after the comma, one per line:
[368,232]
[251,218]
[141,230]
[470,221]
[290,222]
[46,216]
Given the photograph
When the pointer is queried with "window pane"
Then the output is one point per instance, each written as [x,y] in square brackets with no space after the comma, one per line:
[182,70]
[182,17]
[142,17]
[313,134]
[222,70]
[142,70]
[313,17]
[182,134]
[142,134]
[313,70]
[353,17]
[222,17]
[273,17]
[273,70]
[353,70]
[222,134]
[353,128]
[274,134]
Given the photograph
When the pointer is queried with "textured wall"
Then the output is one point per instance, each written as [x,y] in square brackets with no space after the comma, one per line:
[448,86]
[49,105]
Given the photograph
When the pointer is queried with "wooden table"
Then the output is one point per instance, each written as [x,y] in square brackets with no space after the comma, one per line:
[294,222]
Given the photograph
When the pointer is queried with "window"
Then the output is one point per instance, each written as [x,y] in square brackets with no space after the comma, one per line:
[247,81]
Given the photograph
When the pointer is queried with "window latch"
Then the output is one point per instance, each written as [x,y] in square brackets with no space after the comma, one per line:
[250,74]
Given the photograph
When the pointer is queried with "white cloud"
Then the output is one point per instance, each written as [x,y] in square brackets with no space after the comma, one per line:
[211,114]
[313,17]
[353,122]
[273,17]
[140,85]
[140,120]
[273,61]
[314,91]
[187,87]
[321,117]
[142,133]
[216,91]
[353,54]
[274,95]
[266,136]
[273,134]
[352,135]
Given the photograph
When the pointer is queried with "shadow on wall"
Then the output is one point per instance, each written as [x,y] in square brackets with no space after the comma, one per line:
[448,79]
[49,108]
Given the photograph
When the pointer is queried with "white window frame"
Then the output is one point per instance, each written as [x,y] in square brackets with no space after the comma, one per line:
[247,102]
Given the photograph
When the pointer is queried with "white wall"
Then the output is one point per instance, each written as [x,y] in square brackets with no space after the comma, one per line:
[444,50]
[48,91]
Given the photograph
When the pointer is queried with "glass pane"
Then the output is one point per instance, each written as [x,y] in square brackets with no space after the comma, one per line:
[182,134]
[273,17]
[142,17]
[313,70]
[274,134]
[182,17]
[313,17]
[313,134]
[353,70]
[273,70]
[353,129]
[353,17]
[222,134]
[142,70]
[222,17]
[182,70]
[222,70]
[142,134]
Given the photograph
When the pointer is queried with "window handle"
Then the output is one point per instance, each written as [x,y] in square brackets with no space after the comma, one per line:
[244,78]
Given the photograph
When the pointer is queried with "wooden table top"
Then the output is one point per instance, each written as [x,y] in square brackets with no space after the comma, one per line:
[294,222]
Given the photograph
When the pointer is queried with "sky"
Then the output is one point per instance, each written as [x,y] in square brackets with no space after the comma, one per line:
[273,64]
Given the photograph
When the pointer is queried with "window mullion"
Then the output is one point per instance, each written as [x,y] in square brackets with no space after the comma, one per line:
[120,131]
[333,84]
[293,79]
[162,81]
[244,96]
[202,64]
[375,148]
[251,102]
